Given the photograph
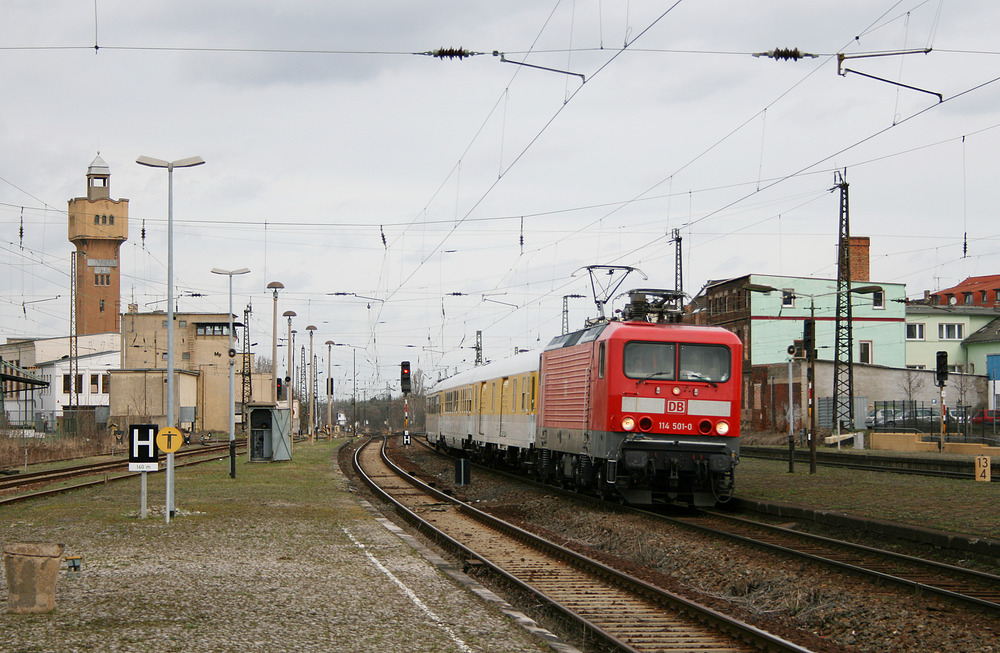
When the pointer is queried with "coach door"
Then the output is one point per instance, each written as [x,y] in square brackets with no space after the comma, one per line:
[481,401]
[506,401]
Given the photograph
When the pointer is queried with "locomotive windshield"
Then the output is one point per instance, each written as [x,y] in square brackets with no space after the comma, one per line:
[647,360]
[709,363]
[659,360]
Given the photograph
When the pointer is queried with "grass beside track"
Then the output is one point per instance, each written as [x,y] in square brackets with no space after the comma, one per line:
[204,488]
[961,506]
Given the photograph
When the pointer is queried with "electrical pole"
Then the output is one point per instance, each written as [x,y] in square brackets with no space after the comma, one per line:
[678,267]
[843,368]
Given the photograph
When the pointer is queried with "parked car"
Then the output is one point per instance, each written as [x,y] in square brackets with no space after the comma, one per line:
[958,415]
[881,417]
[922,415]
[984,416]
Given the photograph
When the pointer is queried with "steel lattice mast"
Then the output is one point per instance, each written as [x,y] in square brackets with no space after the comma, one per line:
[843,369]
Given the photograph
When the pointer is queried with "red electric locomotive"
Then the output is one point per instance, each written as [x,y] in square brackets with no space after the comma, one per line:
[650,411]
[645,410]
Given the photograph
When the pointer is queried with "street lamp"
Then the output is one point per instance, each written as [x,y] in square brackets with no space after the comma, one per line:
[189,162]
[275,286]
[312,384]
[232,362]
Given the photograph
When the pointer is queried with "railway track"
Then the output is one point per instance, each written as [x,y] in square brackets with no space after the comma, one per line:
[967,586]
[940,468]
[625,612]
[113,470]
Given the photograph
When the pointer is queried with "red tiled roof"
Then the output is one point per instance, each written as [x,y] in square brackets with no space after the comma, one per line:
[989,283]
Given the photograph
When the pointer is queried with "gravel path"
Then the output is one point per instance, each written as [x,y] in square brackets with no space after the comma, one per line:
[292,571]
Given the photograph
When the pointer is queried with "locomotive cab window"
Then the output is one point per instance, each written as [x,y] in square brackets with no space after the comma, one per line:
[708,363]
[647,360]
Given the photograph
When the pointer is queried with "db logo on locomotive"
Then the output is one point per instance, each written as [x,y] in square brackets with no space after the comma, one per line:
[676,406]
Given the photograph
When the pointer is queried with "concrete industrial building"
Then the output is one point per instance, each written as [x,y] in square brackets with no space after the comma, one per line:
[201,368]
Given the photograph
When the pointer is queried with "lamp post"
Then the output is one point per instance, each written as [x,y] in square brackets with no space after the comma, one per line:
[312,385]
[275,286]
[329,388]
[189,162]
[290,367]
[810,347]
[232,361]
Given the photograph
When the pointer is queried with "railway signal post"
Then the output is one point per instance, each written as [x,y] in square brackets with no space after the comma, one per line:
[404,384]
[942,378]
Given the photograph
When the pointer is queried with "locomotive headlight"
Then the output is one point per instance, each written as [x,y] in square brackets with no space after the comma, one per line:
[722,427]
[628,423]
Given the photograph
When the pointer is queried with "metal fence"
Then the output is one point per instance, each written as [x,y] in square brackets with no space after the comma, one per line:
[961,423]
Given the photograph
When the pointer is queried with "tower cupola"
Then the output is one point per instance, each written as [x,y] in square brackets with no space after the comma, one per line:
[98,180]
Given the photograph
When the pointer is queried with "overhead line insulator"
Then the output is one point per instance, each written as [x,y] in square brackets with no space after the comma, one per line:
[450,53]
[786,53]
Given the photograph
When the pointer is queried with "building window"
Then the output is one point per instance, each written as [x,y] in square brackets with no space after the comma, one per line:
[951,331]
[787,299]
[95,380]
[878,299]
[915,331]
[996,295]
[111,219]
[967,298]
[68,388]
[97,219]
[106,384]
[185,356]
[865,351]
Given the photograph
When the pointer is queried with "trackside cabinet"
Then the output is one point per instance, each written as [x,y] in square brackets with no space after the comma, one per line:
[270,430]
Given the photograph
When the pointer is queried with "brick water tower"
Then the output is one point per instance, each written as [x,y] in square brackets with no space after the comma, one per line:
[98,225]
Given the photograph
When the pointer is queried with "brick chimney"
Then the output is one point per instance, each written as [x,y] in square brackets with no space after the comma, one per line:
[858,251]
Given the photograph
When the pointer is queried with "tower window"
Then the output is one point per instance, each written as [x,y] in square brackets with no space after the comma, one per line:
[102,305]
[111,219]
[97,219]
[104,219]
[102,279]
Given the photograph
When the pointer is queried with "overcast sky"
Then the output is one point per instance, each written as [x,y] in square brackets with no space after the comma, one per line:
[456,195]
